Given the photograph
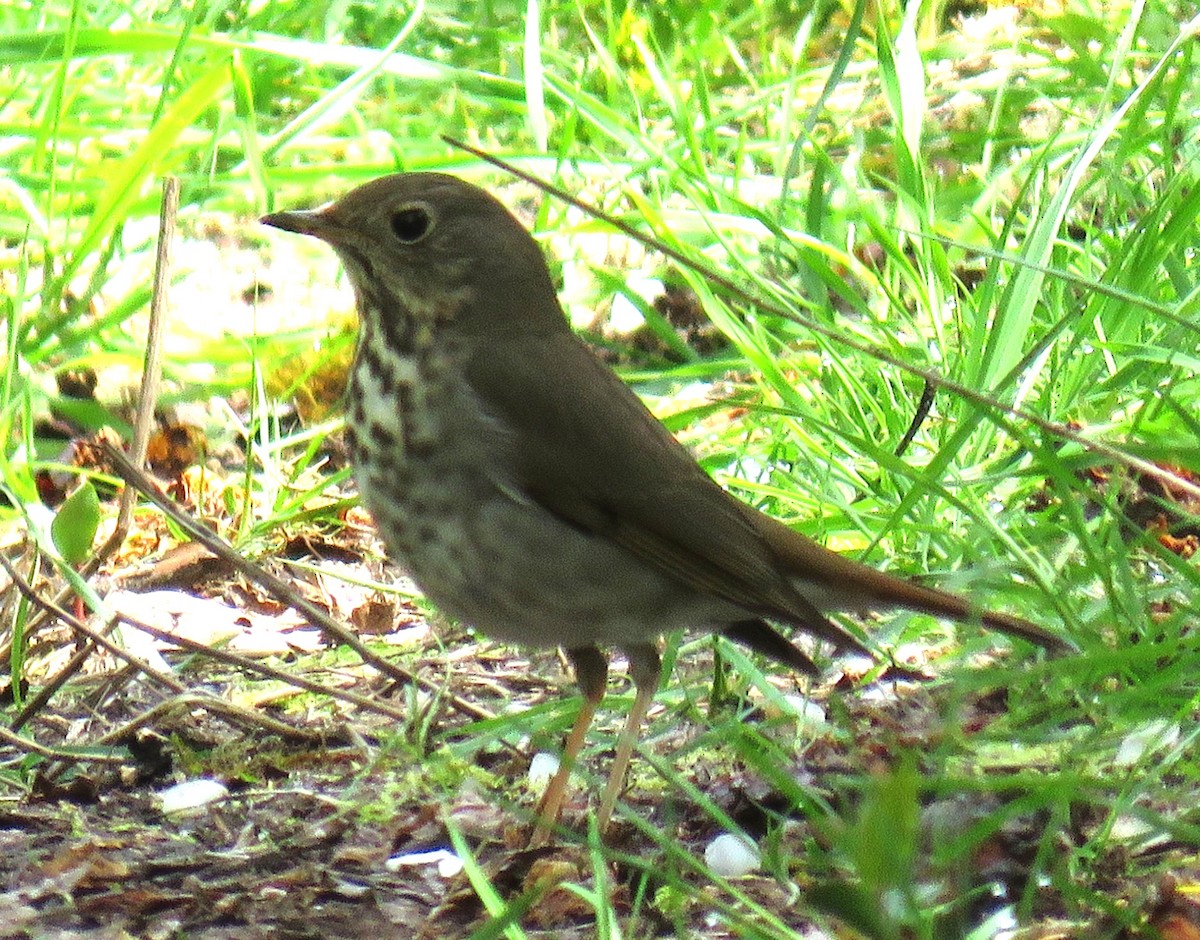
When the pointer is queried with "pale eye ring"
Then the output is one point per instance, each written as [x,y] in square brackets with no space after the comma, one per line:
[411,223]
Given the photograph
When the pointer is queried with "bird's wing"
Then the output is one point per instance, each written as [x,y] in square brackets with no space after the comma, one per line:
[591,453]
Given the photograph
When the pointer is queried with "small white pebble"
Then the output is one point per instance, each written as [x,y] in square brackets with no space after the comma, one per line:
[191,795]
[808,713]
[1150,735]
[448,864]
[1127,828]
[449,867]
[543,766]
[730,856]
[857,663]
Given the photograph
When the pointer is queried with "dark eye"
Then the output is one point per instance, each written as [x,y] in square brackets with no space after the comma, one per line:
[411,223]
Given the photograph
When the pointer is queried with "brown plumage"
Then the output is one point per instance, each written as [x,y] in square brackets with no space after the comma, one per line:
[530,491]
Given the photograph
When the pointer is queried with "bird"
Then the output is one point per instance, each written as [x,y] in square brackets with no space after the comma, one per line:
[528,489]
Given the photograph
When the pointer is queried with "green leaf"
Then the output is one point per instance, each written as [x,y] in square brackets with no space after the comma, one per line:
[74,527]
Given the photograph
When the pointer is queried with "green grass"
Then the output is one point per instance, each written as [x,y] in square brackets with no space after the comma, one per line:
[1013,210]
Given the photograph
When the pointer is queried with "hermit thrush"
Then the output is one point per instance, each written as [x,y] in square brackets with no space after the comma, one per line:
[528,489]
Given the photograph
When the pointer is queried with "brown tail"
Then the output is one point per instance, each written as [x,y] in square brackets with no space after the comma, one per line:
[831,582]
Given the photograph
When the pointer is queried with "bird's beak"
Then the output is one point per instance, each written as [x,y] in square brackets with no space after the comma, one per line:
[315,222]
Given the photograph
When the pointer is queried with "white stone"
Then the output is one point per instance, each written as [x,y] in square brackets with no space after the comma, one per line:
[191,795]
[731,856]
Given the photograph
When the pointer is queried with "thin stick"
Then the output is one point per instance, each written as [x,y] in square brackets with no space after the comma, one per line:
[147,401]
[216,705]
[94,638]
[275,585]
[982,399]
[151,366]
[181,690]
[29,746]
[249,665]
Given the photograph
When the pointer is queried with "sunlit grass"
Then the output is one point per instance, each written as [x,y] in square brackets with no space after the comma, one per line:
[1008,200]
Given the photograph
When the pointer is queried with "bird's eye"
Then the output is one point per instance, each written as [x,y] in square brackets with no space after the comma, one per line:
[411,223]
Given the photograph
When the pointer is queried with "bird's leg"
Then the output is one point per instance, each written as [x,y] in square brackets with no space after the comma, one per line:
[591,673]
[645,668]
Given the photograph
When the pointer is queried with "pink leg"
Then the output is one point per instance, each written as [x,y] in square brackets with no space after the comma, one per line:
[591,672]
[645,668]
